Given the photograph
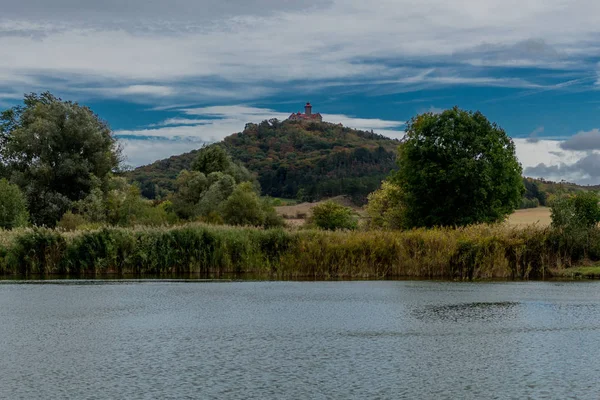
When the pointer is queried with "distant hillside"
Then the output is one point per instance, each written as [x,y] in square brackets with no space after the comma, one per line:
[540,192]
[309,161]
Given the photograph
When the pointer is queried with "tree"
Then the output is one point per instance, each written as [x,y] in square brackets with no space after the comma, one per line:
[190,187]
[243,207]
[455,169]
[579,211]
[55,151]
[332,216]
[212,159]
[212,199]
[13,208]
[385,207]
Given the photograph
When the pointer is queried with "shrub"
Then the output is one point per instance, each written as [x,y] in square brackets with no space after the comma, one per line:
[243,207]
[332,216]
[578,211]
[529,203]
[70,221]
[13,207]
[385,207]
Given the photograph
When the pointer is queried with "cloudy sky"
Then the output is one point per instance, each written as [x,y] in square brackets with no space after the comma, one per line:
[170,75]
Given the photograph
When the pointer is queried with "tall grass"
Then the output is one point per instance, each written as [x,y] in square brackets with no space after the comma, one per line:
[476,252]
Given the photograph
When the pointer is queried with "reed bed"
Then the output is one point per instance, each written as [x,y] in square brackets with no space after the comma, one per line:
[477,252]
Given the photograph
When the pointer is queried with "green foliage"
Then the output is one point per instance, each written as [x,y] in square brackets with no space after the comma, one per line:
[13,207]
[190,187]
[529,203]
[385,207]
[332,216]
[534,193]
[243,207]
[456,169]
[577,211]
[212,159]
[212,200]
[71,222]
[55,151]
[474,252]
[292,160]
[221,191]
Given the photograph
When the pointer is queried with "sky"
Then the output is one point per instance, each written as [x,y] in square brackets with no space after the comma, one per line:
[169,76]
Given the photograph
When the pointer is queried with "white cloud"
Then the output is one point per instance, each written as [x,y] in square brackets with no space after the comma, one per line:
[282,41]
[142,152]
[150,90]
[550,160]
[549,152]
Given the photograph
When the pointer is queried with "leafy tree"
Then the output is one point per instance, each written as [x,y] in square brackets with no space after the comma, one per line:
[55,151]
[385,207]
[202,191]
[332,216]
[272,219]
[243,207]
[212,159]
[457,168]
[533,192]
[581,210]
[13,207]
[216,194]
[190,187]
[529,203]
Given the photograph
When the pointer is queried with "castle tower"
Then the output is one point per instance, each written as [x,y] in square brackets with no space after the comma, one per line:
[308,109]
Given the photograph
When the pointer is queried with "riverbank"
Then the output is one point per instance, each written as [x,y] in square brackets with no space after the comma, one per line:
[479,252]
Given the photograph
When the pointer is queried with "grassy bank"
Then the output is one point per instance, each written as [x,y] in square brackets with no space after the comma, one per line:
[470,253]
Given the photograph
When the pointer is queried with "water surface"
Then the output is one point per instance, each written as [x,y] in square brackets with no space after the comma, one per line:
[300,340]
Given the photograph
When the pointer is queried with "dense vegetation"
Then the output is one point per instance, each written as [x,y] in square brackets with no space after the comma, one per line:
[57,152]
[13,207]
[60,167]
[464,253]
[293,160]
[332,216]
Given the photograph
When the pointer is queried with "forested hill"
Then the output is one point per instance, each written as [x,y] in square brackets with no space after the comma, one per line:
[293,160]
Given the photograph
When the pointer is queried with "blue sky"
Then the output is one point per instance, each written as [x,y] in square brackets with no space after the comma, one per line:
[169,76]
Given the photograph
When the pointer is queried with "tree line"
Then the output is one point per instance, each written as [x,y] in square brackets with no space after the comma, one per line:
[60,165]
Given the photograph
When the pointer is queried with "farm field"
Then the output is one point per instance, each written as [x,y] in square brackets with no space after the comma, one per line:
[539,215]
[296,215]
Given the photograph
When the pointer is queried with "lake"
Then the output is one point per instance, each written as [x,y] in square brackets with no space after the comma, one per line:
[299,340]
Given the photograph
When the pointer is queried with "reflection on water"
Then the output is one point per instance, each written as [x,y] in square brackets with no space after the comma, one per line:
[467,311]
[238,340]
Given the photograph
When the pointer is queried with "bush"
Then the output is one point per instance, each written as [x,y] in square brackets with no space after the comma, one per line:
[529,203]
[13,207]
[385,207]
[70,222]
[578,211]
[332,216]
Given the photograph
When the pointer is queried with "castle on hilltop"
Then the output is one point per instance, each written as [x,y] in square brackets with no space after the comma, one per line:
[308,116]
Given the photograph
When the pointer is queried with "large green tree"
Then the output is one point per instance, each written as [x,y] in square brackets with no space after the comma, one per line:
[457,168]
[56,151]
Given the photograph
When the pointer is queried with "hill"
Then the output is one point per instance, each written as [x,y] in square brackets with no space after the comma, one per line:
[293,159]
[541,192]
